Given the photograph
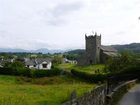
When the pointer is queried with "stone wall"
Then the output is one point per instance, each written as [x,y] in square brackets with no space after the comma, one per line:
[99,95]
[117,93]
[95,97]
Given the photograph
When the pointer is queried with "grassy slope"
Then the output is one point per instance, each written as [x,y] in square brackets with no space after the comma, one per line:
[89,69]
[13,93]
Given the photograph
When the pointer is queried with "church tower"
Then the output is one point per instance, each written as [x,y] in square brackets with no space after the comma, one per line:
[93,44]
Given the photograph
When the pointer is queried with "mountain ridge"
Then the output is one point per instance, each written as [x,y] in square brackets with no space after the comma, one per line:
[134,47]
[41,50]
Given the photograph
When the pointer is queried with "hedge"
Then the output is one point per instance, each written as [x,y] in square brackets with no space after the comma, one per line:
[128,73]
[89,77]
[45,73]
[30,73]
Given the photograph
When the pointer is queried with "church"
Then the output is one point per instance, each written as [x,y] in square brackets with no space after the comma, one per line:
[95,53]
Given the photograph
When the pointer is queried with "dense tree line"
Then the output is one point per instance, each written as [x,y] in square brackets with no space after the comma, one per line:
[122,63]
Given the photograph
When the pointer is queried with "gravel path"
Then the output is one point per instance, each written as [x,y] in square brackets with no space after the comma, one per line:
[132,97]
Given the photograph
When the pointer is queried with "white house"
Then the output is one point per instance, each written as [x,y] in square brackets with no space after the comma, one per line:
[39,63]
[65,60]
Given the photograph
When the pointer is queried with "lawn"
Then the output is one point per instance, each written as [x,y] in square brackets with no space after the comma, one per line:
[13,91]
[98,68]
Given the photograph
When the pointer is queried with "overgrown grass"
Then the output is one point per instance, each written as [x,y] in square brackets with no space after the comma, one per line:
[14,93]
[98,68]
[64,79]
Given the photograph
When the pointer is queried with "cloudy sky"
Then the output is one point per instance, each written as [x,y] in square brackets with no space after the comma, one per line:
[62,24]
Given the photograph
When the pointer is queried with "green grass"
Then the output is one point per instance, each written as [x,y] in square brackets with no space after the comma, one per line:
[98,68]
[13,92]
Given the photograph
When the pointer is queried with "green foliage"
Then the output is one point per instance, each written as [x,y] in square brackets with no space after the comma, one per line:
[89,77]
[45,73]
[74,54]
[117,64]
[15,65]
[23,72]
[19,56]
[57,59]
[125,67]
[11,71]
[133,47]
[77,51]
[99,68]
[17,68]
[63,79]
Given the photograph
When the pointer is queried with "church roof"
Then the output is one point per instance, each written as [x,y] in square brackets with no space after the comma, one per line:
[112,54]
[108,49]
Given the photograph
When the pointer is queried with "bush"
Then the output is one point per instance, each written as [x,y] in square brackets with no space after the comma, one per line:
[18,72]
[23,72]
[7,71]
[117,64]
[30,73]
[15,68]
[45,73]
[128,73]
[89,77]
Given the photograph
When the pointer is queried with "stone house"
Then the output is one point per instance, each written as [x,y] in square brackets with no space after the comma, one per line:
[39,63]
[95,52]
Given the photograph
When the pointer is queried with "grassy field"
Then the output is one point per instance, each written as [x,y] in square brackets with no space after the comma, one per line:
[43,91]
[99,68]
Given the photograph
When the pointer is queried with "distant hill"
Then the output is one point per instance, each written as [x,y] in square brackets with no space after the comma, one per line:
[45,50]
[133,47]
[42,50]
[77,51]
[12,50]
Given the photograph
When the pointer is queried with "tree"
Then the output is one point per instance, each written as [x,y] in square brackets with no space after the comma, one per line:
[118,64]
[57,59]
[15,65]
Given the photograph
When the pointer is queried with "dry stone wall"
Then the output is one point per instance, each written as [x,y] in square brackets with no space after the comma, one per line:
[99,96]
[95,97]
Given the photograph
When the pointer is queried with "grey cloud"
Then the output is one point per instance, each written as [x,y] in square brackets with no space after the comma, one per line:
[56,15]
[63,9]
[56,22]
[120,33]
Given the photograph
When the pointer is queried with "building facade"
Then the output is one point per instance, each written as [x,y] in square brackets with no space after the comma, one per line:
[39,63]
[95,52]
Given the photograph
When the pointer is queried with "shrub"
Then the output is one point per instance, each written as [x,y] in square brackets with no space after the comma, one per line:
[89,77]
[29,73]
[23,72]
[18,72]
[7,71]
[117,64]
[45,73]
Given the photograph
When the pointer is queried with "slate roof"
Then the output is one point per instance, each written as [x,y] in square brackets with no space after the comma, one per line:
[30,62]
[41,60]
[108,49]
[112,54]
[37,61]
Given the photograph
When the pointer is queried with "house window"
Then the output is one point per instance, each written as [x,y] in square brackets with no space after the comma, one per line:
[44,65]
